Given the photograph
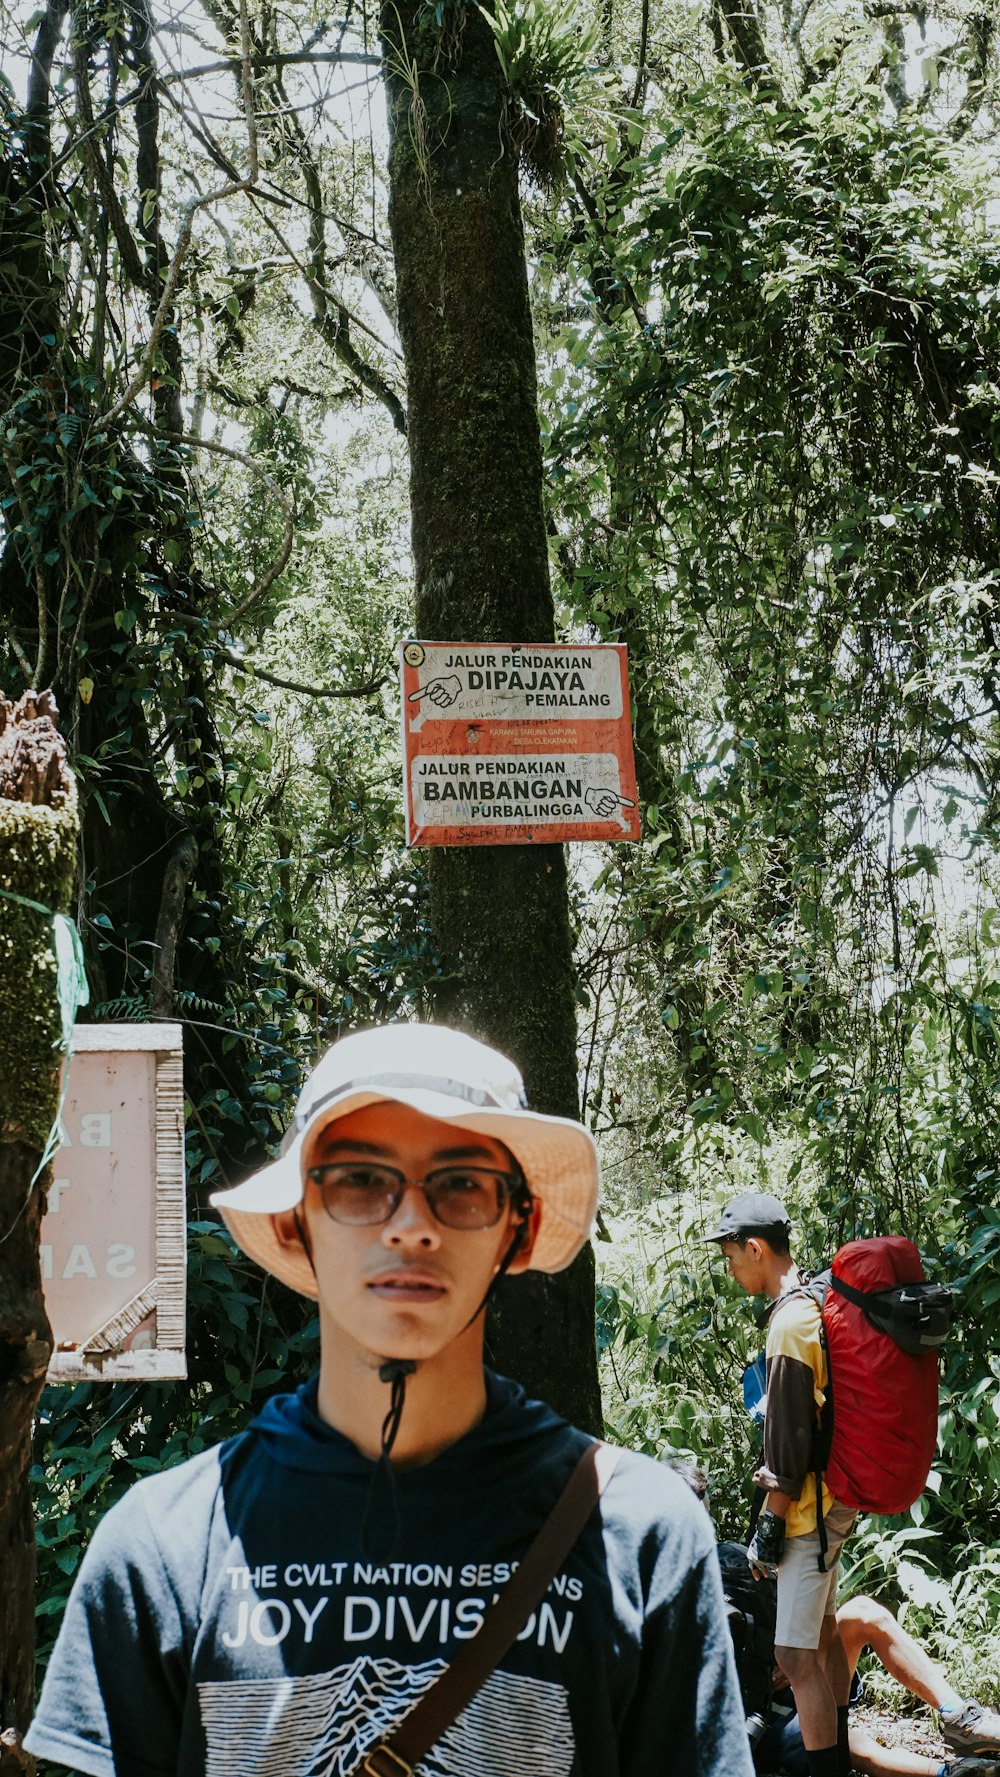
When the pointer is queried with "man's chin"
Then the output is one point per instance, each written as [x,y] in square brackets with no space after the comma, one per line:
[420,1335]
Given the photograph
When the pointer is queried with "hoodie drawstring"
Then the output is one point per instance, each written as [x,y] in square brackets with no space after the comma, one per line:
[395,1372]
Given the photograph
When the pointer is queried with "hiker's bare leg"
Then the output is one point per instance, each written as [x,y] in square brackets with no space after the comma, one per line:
[863,1623]
[888,1761]
[814,1700]
[836,1665]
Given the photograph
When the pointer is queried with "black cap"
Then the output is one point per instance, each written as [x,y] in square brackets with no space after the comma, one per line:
[753,1213]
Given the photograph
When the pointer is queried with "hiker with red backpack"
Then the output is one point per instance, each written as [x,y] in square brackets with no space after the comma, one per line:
[850,1422]
[753,1234]
[405,1566]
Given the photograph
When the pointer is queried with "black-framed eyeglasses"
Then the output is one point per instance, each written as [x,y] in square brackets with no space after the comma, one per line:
[361,1195]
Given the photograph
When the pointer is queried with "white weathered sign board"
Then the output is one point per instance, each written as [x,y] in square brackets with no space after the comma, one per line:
[113,1241]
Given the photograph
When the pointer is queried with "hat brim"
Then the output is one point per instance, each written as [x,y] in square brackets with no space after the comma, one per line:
[556,1155]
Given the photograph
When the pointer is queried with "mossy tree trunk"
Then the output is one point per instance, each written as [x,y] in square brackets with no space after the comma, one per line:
[500,913]
[38,839]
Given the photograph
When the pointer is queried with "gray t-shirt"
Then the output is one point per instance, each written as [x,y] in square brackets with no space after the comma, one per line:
[272,1607]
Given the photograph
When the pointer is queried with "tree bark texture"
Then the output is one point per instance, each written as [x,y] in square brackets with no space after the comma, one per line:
[500,913]
[38,838]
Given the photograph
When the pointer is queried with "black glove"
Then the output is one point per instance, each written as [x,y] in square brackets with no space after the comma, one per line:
[767,1545]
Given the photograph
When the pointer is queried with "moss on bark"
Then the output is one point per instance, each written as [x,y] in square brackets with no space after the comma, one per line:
[500,913]
[37,860]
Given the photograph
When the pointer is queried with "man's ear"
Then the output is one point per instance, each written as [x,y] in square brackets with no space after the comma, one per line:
[525,1246]
[287,1224]
[754,1247]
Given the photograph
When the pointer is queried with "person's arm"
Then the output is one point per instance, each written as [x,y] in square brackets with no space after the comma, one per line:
[776,1503]
[112,1701]
[793,1357]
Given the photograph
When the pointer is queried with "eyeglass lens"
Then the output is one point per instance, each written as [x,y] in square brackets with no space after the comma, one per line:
[457,1196]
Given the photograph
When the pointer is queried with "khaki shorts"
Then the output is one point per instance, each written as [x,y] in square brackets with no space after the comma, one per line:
[806,1596]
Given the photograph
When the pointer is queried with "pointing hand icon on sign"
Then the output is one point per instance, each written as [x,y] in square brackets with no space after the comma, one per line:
[605,803]
[441,692]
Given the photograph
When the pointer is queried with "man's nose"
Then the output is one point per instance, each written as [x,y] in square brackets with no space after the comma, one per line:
[412,1221]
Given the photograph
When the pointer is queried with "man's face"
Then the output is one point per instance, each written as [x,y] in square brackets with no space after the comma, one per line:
[744,1264]
[406,1287]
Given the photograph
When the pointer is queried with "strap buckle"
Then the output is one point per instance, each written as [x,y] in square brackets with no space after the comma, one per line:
[383,1762]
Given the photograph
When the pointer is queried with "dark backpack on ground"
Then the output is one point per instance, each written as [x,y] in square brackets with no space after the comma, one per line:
[750,1607]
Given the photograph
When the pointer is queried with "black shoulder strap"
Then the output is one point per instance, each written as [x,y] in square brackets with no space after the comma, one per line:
[401,1751]
[823,1439]
[860,1298]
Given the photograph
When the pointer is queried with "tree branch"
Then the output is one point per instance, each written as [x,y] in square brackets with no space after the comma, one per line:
[259,672]
[977,39]
[189,211]
[102,177]
[747,39]
[230,65]
[334,329]
[176,876]
[40,81]
[640,73]
[331,316]
[596,283]
[188,620]
[167,397]
[255,468]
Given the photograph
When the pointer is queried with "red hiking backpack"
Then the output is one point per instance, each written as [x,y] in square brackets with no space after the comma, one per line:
[883,1325]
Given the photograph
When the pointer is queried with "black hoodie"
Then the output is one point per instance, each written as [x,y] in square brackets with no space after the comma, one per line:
[226,1623]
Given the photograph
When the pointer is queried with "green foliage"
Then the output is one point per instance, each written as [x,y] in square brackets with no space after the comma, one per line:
[769,433]
[546,50]
[956,1622]
[673,1352]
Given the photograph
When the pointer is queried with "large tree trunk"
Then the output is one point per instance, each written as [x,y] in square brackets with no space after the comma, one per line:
[38,837]
[500,912]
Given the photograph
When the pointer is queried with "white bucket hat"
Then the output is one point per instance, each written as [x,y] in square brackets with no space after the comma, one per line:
[447,1075]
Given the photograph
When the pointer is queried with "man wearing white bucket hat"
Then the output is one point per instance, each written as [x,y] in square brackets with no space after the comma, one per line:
[316,1598]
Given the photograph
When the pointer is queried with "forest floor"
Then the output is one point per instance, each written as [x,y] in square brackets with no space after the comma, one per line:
[910,1733]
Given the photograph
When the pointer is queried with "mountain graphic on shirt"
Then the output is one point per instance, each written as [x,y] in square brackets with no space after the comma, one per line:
[323,1725]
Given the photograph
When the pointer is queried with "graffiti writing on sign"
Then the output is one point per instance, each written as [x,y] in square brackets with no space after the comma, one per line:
[507,744]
